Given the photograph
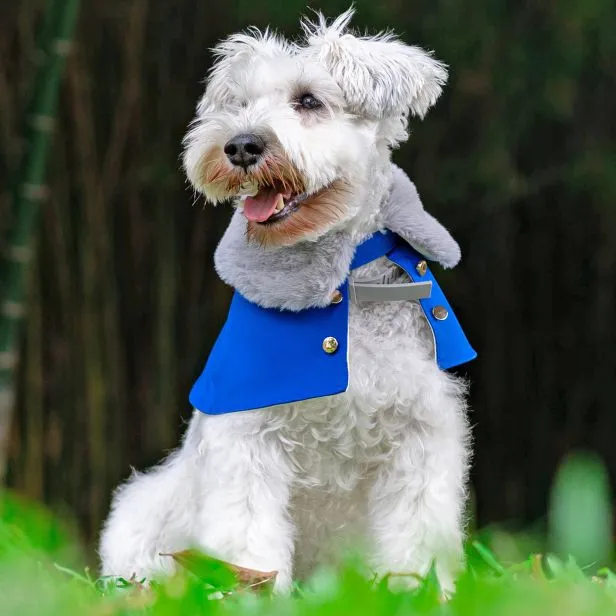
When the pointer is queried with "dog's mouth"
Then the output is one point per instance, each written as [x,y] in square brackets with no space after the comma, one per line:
[269,205]
[279,208]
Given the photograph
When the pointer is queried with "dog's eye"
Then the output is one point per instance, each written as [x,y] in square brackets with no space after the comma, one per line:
[308,101]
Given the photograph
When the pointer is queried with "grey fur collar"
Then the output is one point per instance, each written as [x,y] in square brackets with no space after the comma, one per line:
[305,275]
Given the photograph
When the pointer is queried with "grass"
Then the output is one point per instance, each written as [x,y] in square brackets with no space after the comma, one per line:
[41,574]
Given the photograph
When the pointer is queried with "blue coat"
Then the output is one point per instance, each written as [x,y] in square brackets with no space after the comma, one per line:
[264,357]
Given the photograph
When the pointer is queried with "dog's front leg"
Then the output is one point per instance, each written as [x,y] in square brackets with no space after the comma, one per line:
[417,500]
[245,495]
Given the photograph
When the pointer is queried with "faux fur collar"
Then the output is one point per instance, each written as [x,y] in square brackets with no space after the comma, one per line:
[306,274]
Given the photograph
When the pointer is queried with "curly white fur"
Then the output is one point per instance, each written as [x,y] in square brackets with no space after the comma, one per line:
[385,463]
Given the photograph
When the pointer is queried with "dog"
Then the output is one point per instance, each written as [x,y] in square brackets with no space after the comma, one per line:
[298,135]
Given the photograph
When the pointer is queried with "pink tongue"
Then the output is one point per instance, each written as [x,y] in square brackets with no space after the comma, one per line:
[260,207]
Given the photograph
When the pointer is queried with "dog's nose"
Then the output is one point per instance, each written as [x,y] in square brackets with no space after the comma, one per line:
[244,150]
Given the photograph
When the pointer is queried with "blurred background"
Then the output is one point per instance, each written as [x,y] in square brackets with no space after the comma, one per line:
[518,159]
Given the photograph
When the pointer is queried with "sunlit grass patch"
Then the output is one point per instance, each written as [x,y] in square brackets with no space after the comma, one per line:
[40,572]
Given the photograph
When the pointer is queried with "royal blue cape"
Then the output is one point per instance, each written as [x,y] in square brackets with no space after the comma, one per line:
[265,356]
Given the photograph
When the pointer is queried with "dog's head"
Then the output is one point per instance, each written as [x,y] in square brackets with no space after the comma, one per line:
[296,134]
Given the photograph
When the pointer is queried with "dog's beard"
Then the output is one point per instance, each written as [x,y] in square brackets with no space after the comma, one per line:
[281,211]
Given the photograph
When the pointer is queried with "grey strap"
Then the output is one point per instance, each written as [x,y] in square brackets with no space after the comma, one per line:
[375,292]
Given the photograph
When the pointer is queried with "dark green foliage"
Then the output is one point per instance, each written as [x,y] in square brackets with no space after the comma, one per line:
[581,519]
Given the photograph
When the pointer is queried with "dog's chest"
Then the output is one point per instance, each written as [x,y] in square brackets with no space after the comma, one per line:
[338,439]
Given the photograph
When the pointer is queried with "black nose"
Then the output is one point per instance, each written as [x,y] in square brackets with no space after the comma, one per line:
[244,150]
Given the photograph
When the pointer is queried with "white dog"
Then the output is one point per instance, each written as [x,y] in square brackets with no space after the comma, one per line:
[299,135]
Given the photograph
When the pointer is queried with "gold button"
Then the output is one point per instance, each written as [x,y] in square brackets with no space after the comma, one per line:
[422,268]
[440,313]
[336,297]
[330,345]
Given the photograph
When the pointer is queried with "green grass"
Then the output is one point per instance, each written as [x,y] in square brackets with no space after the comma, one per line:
[41,572]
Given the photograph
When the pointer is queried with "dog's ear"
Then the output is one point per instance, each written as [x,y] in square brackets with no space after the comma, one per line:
[380,76]
[235,53]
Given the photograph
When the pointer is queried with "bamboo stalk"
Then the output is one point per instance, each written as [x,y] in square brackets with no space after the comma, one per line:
[61,314]
[131,37]
[166,402]
[30,190]
[91,251]
[162,431]
[34,441]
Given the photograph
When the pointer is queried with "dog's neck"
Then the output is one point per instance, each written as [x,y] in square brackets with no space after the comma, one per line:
[376,186]
[306,274]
